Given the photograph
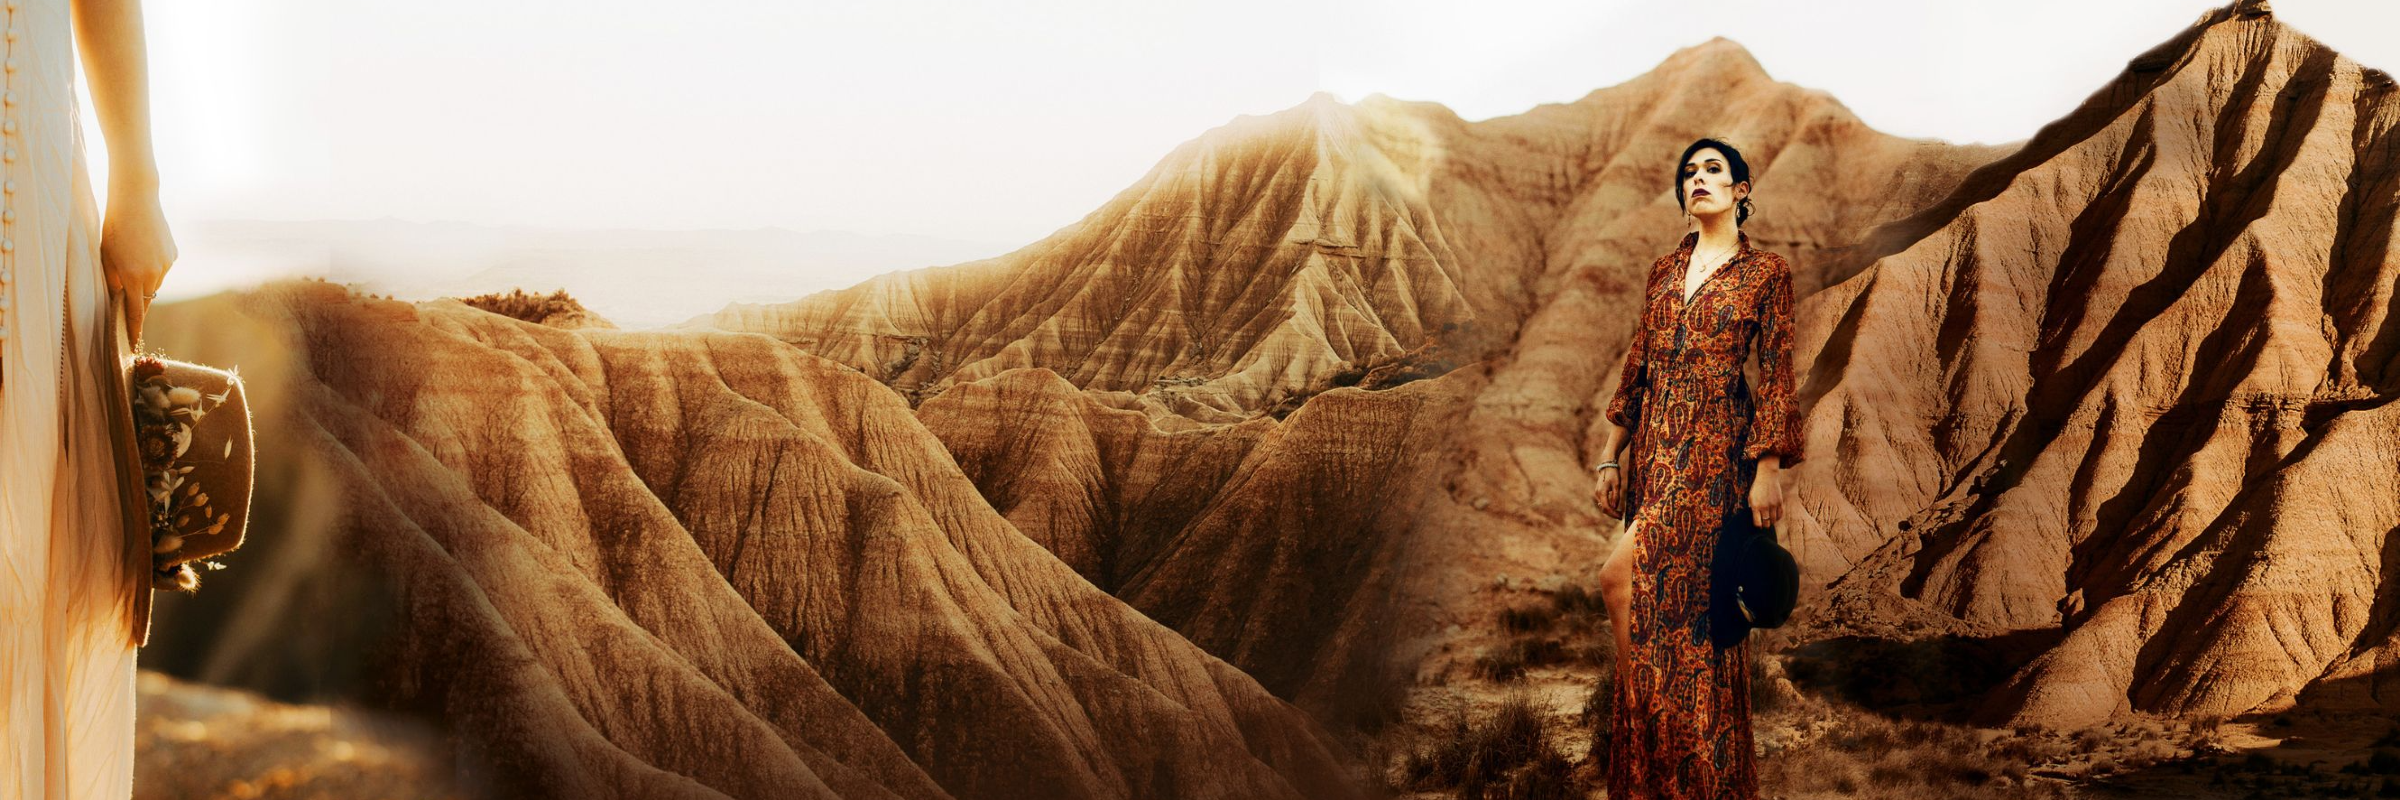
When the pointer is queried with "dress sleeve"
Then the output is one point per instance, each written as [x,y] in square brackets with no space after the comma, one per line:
[1634,380]
[1775,431]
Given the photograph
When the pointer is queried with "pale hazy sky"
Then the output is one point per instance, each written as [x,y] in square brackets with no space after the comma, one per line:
[991,122]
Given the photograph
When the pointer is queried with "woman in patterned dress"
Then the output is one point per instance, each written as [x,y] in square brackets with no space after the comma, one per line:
[66,599]
[1700,450]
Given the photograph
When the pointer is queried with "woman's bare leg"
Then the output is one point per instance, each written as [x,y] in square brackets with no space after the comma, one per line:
[1616,591]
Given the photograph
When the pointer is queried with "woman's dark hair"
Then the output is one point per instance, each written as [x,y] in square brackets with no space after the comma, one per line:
[1733,161]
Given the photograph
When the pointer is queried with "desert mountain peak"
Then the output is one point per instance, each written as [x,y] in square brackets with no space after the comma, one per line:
[1722,55]
[2098,375]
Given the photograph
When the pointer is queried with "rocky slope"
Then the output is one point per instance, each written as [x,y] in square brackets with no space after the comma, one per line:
[1247,264]
[2134,393]
[1276,545]
[713,565]
[1273,251]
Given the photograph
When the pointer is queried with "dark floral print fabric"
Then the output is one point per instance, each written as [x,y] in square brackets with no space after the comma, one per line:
[1682,722]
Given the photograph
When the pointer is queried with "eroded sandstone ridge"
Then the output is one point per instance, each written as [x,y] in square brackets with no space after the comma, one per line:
[704,565]
[1275,545]
[1273,251]
[2134,391]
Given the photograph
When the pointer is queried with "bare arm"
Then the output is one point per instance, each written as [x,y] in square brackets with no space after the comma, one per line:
[136,248]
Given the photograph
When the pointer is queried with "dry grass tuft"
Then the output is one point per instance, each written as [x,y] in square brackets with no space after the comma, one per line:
[1509,662]
[1507,757]
[1867,755]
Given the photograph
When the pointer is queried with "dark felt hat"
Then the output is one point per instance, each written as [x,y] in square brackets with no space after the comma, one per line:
[181,437]
[1753,581]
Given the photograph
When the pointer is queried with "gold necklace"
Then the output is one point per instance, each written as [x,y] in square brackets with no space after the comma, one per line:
[1689,291]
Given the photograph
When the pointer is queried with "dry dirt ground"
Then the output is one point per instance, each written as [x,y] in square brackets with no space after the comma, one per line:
[195,741]
[1513,720]
[1516,718]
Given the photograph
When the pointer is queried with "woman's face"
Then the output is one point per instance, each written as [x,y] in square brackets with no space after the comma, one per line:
[1708,184]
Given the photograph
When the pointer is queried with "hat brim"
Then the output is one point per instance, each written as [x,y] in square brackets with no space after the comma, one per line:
[219,455]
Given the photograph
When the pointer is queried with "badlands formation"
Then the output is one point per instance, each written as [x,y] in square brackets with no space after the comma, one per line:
[710,565]
[1183,500]
[2134,394]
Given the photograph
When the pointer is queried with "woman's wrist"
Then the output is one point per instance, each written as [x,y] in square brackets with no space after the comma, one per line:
[132,177]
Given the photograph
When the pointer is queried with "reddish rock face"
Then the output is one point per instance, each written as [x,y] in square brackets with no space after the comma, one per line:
[2133,388]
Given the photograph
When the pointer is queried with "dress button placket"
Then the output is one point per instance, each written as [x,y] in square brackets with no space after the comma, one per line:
[9,134]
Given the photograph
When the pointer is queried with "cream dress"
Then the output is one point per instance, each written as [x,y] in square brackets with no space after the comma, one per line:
[66,648]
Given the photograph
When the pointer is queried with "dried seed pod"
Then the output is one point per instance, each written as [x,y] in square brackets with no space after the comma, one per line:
[180,578]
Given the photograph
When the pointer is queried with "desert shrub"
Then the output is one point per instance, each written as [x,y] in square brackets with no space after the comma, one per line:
[1873,736]
[1868,755]
[534,308]
[1573,600]
[2090,739]
[1599,713]
[2032,746]
[1476,759]
[1526,620]
[1549,777]
[1508,663]
[1599,653]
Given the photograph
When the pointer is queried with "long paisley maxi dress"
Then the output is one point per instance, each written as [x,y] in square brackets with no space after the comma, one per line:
[1682,722]
[66,636]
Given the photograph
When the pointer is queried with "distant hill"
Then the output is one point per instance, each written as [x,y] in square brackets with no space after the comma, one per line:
[633,278]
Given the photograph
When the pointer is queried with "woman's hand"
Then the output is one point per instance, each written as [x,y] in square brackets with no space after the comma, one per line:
[1766,493]
[135,251]
[1608,489]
